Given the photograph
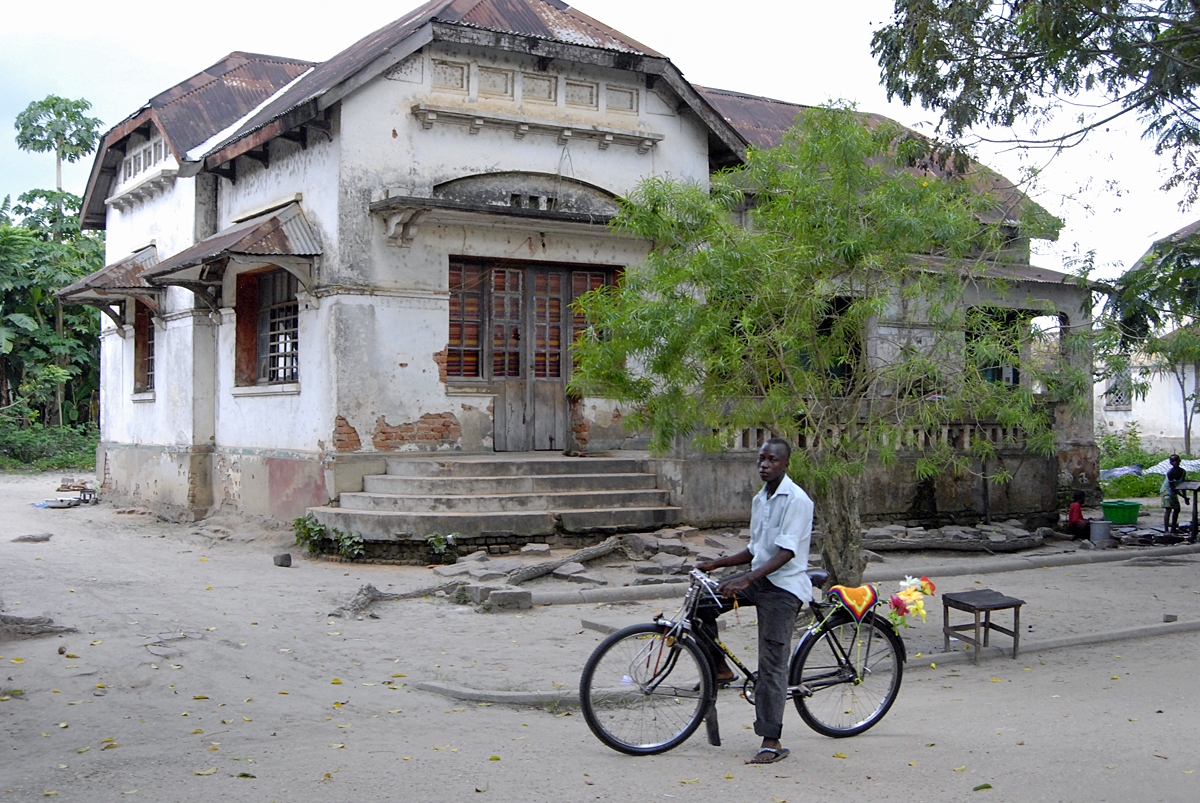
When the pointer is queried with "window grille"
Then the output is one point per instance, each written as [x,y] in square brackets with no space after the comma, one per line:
[278,328]
[1119,395]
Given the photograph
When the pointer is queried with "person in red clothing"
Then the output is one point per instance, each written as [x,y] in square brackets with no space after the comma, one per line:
[1077,525]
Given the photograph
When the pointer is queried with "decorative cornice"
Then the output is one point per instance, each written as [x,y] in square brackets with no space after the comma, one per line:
[521,126]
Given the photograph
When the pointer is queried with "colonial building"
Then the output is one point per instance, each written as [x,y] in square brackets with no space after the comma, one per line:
[316,268]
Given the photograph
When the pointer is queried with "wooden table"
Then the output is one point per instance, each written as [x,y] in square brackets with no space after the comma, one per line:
[981,603]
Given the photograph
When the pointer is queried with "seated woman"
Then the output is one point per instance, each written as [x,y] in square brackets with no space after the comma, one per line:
[1077,525]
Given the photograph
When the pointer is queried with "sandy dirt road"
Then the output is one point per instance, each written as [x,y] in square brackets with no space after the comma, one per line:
[195,653]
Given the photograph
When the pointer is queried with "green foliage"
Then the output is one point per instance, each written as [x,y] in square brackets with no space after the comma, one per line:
[348,544]
[994,62]
[461,597]
[309,532]
[38,448]
[781,323]
[58,125]
[1131,486]
[1124,448]
[317,538]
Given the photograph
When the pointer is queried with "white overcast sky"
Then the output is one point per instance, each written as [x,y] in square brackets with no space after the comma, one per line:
[797,50]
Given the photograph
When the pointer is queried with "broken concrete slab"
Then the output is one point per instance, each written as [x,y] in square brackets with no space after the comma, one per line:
[588,578]
[511,599]
[645,542]
[535,549]
[671,563]
[672,546]
[648,567]
[485,572]
[479,556]
[568,569]
[479,593]
[454,570]
[505,565]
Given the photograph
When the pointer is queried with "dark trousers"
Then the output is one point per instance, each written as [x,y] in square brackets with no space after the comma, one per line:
[777,610]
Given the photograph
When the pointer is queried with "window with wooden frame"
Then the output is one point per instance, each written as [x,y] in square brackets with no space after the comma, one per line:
[511,320]
[143,348]
[267,348]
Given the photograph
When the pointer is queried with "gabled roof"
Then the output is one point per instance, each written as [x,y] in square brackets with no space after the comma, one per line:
[764,121]
[190,113]
[541,27]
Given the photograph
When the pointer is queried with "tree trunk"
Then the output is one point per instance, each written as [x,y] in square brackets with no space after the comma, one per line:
[61,362]
[838,509]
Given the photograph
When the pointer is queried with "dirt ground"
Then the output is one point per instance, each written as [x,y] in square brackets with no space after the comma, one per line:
[202,671]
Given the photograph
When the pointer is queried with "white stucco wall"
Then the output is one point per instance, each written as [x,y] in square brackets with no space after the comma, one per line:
[1159,416]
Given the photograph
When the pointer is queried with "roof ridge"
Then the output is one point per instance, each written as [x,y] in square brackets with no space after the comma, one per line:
[214,77]
[735,93]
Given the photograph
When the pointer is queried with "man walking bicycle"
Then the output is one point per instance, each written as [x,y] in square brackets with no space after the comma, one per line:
[781,517]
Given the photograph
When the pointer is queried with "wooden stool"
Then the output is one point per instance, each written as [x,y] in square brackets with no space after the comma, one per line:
[983,601]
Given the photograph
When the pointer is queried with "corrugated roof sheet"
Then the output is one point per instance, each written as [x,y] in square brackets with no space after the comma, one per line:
[282,232]
[546,19]
[763,122]
[190,113]
[124,274]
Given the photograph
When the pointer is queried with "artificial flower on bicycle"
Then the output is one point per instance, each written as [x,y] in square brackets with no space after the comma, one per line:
[910,600]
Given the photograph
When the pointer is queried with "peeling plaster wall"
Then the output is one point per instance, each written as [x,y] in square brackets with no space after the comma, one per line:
[312,173]
[166,219]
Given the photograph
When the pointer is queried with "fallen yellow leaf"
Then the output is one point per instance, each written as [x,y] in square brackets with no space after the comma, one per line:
[198,730]
[399,676]
[208,771]
[694,780]
[997,680]
[397,711]
[408,758]
[109,739]
[339,746]
[839,755]
[83,749]
[110,746]
[200,697]
[248,719]
[21,661]
[71,655]
[963,768]
[729,776]
[335,682]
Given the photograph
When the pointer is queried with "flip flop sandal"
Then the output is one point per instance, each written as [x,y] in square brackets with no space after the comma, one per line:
[776,755]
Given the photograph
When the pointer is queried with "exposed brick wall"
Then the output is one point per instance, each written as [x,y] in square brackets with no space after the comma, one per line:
[581,426]
[440,427]
[345,437]
[440,359]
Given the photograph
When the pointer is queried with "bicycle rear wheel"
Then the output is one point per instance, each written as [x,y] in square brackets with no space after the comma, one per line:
[644,692]
[847,677]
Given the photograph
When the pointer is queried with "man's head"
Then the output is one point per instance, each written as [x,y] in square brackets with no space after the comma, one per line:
[1173,460]
[773,460]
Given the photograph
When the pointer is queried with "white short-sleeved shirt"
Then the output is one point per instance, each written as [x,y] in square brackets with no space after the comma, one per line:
[783,521]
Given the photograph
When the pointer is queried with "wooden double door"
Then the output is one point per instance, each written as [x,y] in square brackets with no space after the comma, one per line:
[514,329]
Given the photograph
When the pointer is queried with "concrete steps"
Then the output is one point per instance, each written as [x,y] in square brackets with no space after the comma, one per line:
[523,494]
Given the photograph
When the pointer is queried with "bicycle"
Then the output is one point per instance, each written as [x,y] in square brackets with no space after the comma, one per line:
[646,688]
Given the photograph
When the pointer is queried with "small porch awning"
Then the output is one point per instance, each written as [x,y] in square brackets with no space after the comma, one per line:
[114,283]
[280,237]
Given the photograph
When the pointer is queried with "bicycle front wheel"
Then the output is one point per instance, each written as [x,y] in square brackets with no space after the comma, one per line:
[845,678]
[644,692]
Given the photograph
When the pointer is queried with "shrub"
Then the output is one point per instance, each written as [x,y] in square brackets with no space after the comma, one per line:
[38,448]
[1131,486]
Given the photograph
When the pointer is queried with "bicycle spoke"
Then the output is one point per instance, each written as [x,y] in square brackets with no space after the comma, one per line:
[643,692]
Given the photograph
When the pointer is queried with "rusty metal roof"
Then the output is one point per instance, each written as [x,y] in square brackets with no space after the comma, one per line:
[543,19]
[763,122]
[282,232]
[123,275]
[189,113]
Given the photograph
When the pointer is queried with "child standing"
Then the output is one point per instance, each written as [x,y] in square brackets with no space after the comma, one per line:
[1170,497]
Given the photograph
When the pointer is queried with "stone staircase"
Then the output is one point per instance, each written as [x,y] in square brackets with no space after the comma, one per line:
[526,494]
